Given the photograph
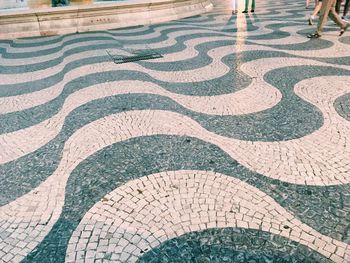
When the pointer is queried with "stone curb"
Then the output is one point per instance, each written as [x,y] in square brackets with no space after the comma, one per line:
[75,19]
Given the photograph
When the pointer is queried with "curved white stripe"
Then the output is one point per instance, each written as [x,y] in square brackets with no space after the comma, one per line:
[113,40]
[293,38]
[60,43]
[145,212]
[342,50]
[42,206]
[25,101]
[29,61]
[320,158]
[34,40]
[7,79]
[171,40]
[258,96]
[157,33]
[28,100]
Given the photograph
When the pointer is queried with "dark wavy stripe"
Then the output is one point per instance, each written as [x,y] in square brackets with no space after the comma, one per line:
[308,45]
[29,117]
[18,89]
[291,118]
[287,120]
[201,60]
[52,40]
[18,69]
[324,208]
[105,35]
[178,46]
[299,110]
[27,43]
[277,34]
[342,106]
[44,52]
[345,61]
[164,36]
[231,245]
[49,81]
[345,40]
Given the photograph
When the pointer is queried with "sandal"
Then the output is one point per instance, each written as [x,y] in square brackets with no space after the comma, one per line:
[342,31]
[314,35]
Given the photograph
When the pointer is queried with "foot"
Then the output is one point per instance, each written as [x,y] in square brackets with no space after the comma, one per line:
[342,31]
[234,12]
[252,10]
[314,35]
[245,11]
[310,21]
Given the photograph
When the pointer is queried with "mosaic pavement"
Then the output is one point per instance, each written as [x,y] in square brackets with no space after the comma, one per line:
[233,147]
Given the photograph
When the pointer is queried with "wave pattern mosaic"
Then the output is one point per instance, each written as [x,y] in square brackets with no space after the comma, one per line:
[232,146]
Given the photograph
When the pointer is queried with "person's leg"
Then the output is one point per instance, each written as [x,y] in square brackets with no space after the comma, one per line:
[336,18]
[315,12]
[317,9]
[337,6]
[253,5]
[346,7]
[325,8]
[234,6]
[246,6]
[307,3]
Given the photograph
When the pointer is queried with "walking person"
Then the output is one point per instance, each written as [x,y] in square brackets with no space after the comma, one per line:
[315,12]
[247,6]
[328,9]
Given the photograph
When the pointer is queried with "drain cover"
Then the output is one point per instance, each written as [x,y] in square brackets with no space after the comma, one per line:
[132,56]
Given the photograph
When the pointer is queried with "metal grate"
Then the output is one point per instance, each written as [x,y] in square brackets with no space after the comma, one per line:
[135,55]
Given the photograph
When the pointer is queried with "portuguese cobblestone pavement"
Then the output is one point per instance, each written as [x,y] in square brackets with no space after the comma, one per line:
[232,147]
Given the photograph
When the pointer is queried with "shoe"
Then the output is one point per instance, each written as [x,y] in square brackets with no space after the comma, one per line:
[245,12]
[252,10]
[310,21]
[234,12]
[342,31]
[314,35]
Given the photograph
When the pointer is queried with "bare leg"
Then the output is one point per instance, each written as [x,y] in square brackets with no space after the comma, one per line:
[328,9]
[315,12]
[317,9]
[325,8]
[336,18]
